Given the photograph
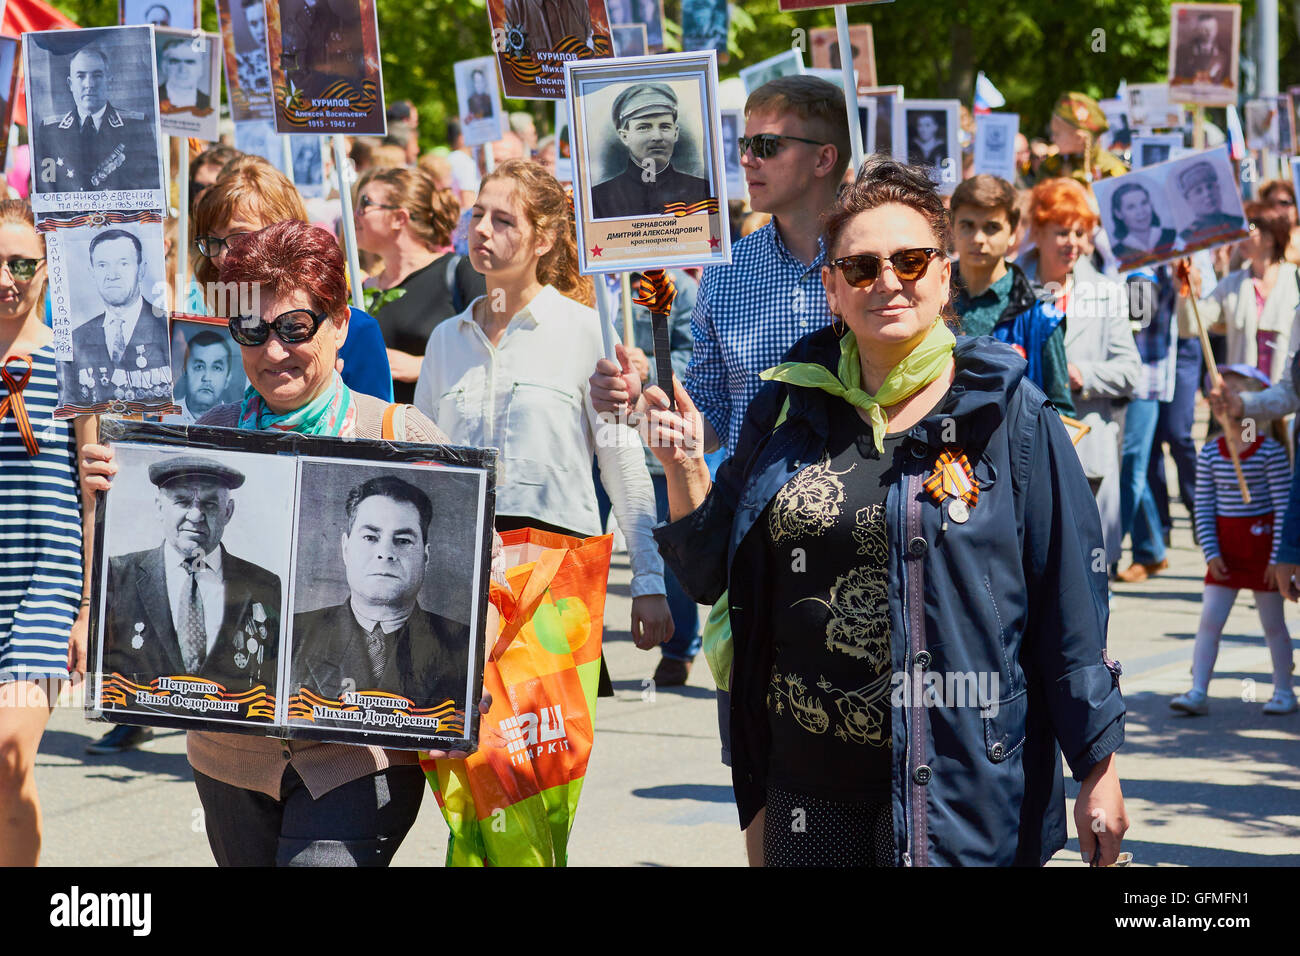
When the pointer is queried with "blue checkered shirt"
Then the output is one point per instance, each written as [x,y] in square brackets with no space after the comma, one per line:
[747,316]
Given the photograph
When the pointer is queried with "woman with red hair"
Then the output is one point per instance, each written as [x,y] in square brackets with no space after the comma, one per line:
[271,802]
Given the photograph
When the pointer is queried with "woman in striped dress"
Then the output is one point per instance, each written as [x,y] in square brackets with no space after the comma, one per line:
[1240,542]
[41,569]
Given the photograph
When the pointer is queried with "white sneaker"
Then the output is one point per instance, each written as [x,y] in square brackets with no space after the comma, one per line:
[1282,702]
[1194,702]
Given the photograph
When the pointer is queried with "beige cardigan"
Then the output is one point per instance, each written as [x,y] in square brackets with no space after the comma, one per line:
[257,763]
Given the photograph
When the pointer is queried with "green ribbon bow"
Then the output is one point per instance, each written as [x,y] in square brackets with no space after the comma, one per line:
[921,367]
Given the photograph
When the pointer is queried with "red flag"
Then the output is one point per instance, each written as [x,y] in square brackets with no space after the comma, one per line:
[28,16]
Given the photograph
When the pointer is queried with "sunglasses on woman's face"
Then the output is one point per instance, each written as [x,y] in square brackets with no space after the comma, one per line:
[21,268]
[863,269]
[292,328]
[766,145]
[365,202]
[211,246]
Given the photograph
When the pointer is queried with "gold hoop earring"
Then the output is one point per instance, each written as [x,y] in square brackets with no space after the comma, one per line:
[838,324]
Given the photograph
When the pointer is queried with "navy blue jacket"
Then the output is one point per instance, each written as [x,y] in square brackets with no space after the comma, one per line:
[1017,592]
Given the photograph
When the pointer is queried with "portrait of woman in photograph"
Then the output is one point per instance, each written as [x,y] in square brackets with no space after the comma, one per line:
[927,142]
[1137,225]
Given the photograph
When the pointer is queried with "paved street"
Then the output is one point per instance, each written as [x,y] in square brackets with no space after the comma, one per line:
[1217,790]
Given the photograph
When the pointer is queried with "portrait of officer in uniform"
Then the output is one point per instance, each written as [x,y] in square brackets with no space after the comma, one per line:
[252,68]
[123,353]
[480,101]
[320,44]
[380,638]
[1199,185]
[158,15]
[546,22]
[188,606]
[95,145]
[645,116]
[182,72]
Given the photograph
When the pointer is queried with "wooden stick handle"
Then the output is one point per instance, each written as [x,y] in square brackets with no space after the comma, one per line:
[1215,379]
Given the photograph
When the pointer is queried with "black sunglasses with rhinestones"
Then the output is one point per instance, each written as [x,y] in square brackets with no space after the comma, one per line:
[765,145]
[22,269]
[211,246]
[863,269]
[292,328]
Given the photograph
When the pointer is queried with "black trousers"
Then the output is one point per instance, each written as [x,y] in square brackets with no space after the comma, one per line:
[361,823]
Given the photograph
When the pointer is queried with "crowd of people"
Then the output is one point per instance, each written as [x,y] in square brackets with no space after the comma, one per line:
[903,426]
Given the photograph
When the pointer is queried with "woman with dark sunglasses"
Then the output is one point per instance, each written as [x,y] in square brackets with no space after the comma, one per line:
[268,801]
[909,545]
[42,629]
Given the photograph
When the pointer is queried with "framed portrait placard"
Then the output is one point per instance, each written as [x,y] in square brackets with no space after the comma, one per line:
[884,98]
[189,83]
[1203,42]
[1150,107]
[173,14]
[648,13]
[535,39]
[629,39]
[825,43]
[789,63]
[1155,148]
[705,25]
[926,134]
[92,96]
[1172,209]
[8,87]
[248,70]
[995,144]
[648,172]
[292,586]
[479,99]
[1262,124]
[325,69]
[207,367]
[108,311]
[733,126]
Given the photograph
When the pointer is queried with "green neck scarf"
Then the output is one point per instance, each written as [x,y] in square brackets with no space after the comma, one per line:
[921,367]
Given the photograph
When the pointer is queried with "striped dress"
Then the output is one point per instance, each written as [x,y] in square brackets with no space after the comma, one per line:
[1246,536]
[40,531]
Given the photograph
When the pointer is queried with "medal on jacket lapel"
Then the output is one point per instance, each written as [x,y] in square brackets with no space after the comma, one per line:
[953,481]
[140,360]
[137,640]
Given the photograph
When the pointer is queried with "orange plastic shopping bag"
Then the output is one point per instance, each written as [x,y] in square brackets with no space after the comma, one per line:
[512,802]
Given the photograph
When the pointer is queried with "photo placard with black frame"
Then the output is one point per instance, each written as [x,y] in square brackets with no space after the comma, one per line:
[349,580]
[92,96]
[648,173]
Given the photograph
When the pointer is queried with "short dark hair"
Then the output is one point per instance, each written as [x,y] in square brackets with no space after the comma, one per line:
[248,3]
[1273,222]
[110,234]
[814,100]
[401,110]
[988,193]
[1117,203]
[882,181]
[386,486]
[209,337]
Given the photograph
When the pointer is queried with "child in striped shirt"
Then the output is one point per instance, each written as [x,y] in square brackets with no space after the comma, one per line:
[1240,543]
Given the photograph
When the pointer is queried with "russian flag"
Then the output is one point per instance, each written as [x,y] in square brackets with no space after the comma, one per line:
[987,97]
[1236,139]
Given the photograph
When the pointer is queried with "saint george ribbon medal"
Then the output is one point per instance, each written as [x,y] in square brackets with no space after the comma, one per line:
[952,479]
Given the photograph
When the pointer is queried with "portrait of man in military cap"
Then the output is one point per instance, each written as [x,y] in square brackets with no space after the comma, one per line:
[1199,185]
[645,117]
[96,145]
[188,606]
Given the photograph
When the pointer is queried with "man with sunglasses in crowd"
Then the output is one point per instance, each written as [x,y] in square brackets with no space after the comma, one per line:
[795,152]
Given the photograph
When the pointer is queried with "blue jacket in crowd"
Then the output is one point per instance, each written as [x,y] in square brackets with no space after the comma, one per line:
[1017,592]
